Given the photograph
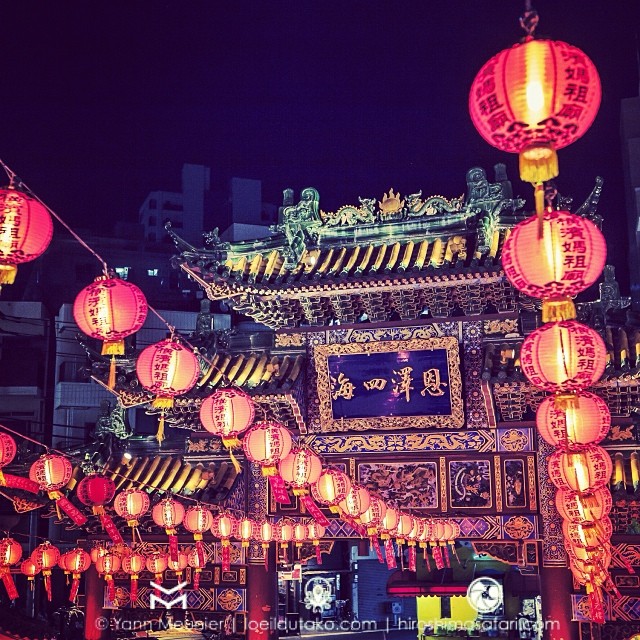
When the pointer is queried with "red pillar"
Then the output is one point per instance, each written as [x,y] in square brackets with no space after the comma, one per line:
[95,620]
[556,586]
[262,604]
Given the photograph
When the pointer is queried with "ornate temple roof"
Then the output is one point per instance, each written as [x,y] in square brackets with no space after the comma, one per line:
[400,257]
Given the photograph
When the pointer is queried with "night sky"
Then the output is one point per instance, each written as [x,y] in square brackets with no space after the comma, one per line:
[104,101]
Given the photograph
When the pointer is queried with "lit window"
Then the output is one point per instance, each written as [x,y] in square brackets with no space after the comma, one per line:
[152,272]
[122,272]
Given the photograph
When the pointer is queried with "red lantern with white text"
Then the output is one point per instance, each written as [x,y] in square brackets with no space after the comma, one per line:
[197,520]
[25,232]
[356,502]
[131,505]
[563,356]
[331,488]
[167,369]
[224,527]
[169,514]
[97,491]
[8,449]
[134,564]
[106,566]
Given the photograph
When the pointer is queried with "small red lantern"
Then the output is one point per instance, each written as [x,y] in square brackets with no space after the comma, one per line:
[331,488]
[30,569]
[167,369]
[10,553]
[563,356]
[169,514]
[566,259]
[387,528]
[406,523]
[265,534]
[197,520]
[226,414]
[300,534]
[77,561]
[573,420]
[106,566]
[131,505]
[52,472]
[96,491]
[533,99]
[224,527]
[372,517]
[157,563]
[283,534]
[578,507]
[178,566]
[299,469]
[8,450]
[134,564]
[25,231]
[45,556]
[356,502]
[582,471]
[97,551]
[246,531]
[316,531]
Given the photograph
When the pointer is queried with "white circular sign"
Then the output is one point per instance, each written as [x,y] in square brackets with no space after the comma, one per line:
[484,594]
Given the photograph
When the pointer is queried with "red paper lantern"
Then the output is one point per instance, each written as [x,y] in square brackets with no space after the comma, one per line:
[588,535]
[131,505]
[406,523]
[533,99]
[356,501]
[283,533]
[157,563]
[246,530]
[169,514]
[266,443]
[10,552]
[167,369]
[331,487]
[97,551]
[8,449]
[45,556]
[134,564]
[300,468]
[557,264]
[110,309]
[573,420]
[179,565]
[300,533]
[563,356]
[583,471]
[316,531]
[226,414]
[96,491]
[106,566]
[578,507]
[373,516]
[197,520]
[77,561]
[25,231]
[30,569]
[265,534]
[224,527]
[389,522]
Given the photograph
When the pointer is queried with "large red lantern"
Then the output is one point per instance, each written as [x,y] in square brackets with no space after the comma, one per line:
[169,514]
[582,471]
[578,507]
[106,566]
[110,309]
[563,356]
[299,469]
[224,527]
[52,472]
[167,369]
[10,553]
[566,259]
[197,520]
[331,487]
[131,505]
[25,231]
[573,420]
[533,99]
[77,561]
[134,564]
[45,556]
[96,491]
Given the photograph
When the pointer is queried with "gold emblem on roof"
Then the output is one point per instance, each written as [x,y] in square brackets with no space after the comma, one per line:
[391,203]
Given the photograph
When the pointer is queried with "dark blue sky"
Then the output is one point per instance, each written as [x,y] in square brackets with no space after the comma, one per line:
[104,101]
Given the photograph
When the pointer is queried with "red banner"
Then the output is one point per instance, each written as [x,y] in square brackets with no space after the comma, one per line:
[111,529]
[72,511]
[75,585]
[226,556]
[376,545]
[200,553]
[596,607]
[314,510]
[173,547]
[445,554]
[9,585]
[389,553]
[425,555]
[47,585]
[111,589]
[412,558]
[18,482]
[133,592]
[279,490]
[318,554]
[437,557]
[196,580]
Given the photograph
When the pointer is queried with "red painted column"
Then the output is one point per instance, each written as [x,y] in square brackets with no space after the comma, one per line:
[556,586]
[262,604]
[95,619]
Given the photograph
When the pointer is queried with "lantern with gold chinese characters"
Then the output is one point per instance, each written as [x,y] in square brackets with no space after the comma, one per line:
[582,471]
[10,554]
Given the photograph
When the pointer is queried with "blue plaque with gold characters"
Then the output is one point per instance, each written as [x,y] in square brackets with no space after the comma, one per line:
[390,385]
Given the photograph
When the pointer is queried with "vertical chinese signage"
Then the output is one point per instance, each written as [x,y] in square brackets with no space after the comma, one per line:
[390,385]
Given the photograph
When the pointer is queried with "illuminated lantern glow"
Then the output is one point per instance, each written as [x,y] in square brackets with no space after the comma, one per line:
[533,99]
[224,527]
[600,556]
[52,472]
[573,420]
[197,520]
[106,566]
[588,535]
[110,309]
[30,569]
[299,469]
[197,564]
[77,561]
[227,414]
[265,534]
[169,514]
[10,553]
[387,528]
[97,551]
[283,533]
[246,531]
[131,505]
[166,369]
[157,563]
[25,232]
[331,488]
[583,471]
[563,356]
[8,450]
[556,266]
[300,533]
[374,514]
[266,443]
[45,556]
[134,564]
[579,508]
[96,491]
[406,523]
[178,566]
[356,502]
